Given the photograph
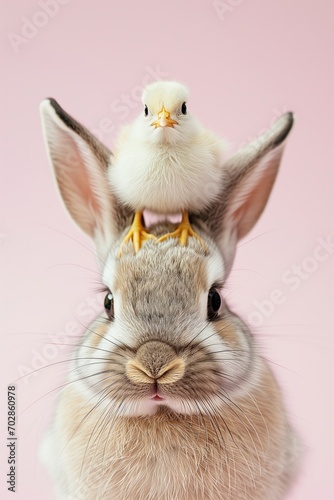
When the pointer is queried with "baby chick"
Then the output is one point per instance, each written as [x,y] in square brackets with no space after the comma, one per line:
[166,162]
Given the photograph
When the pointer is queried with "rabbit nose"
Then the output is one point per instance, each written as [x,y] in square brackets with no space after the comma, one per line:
[155,361]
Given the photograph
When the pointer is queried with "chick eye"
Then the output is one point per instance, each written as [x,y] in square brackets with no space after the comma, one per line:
[146,110]
[109,305]
[214,303]
[184,109]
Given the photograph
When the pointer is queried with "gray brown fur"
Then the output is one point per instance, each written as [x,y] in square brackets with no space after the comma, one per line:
[222,432]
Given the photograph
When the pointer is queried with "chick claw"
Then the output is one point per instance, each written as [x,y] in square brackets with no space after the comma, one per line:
[137,234]
[183,231]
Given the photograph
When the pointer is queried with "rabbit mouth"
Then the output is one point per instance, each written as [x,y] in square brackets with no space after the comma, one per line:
[157,397]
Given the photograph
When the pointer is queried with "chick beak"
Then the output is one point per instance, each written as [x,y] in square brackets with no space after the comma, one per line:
[164,119]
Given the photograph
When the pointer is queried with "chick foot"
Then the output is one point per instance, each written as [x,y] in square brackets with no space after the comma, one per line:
[137,234]
[183,232]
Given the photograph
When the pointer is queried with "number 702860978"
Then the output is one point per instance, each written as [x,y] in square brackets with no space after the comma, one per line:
[11,410]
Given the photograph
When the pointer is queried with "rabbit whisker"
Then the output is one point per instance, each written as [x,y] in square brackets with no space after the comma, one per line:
[226,326]
[113,415]
[86,416]
[72,264]
[73,239]
[58,388]
[220,438]
[197,335]
[81,345]
[120,344]
[103,415]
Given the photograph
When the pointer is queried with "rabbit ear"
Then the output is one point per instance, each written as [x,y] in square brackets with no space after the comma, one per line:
[80,163]
[248,180]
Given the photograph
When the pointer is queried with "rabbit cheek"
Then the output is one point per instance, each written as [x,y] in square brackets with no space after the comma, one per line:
[96,363]
[235,356]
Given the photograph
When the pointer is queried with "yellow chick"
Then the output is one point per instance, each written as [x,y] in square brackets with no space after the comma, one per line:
[166,162]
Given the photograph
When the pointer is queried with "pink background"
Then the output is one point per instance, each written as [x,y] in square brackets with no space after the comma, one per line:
[244,67]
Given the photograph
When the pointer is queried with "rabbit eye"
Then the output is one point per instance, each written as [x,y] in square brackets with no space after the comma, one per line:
[109,305]
[184,108]
[214,303]
[146,110]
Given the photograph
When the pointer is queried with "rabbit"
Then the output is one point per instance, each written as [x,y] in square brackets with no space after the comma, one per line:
[167,395]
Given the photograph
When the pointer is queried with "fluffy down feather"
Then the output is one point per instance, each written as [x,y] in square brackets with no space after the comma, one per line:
[167,169]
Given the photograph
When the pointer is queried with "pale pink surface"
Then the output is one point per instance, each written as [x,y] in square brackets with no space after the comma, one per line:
[263,58]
